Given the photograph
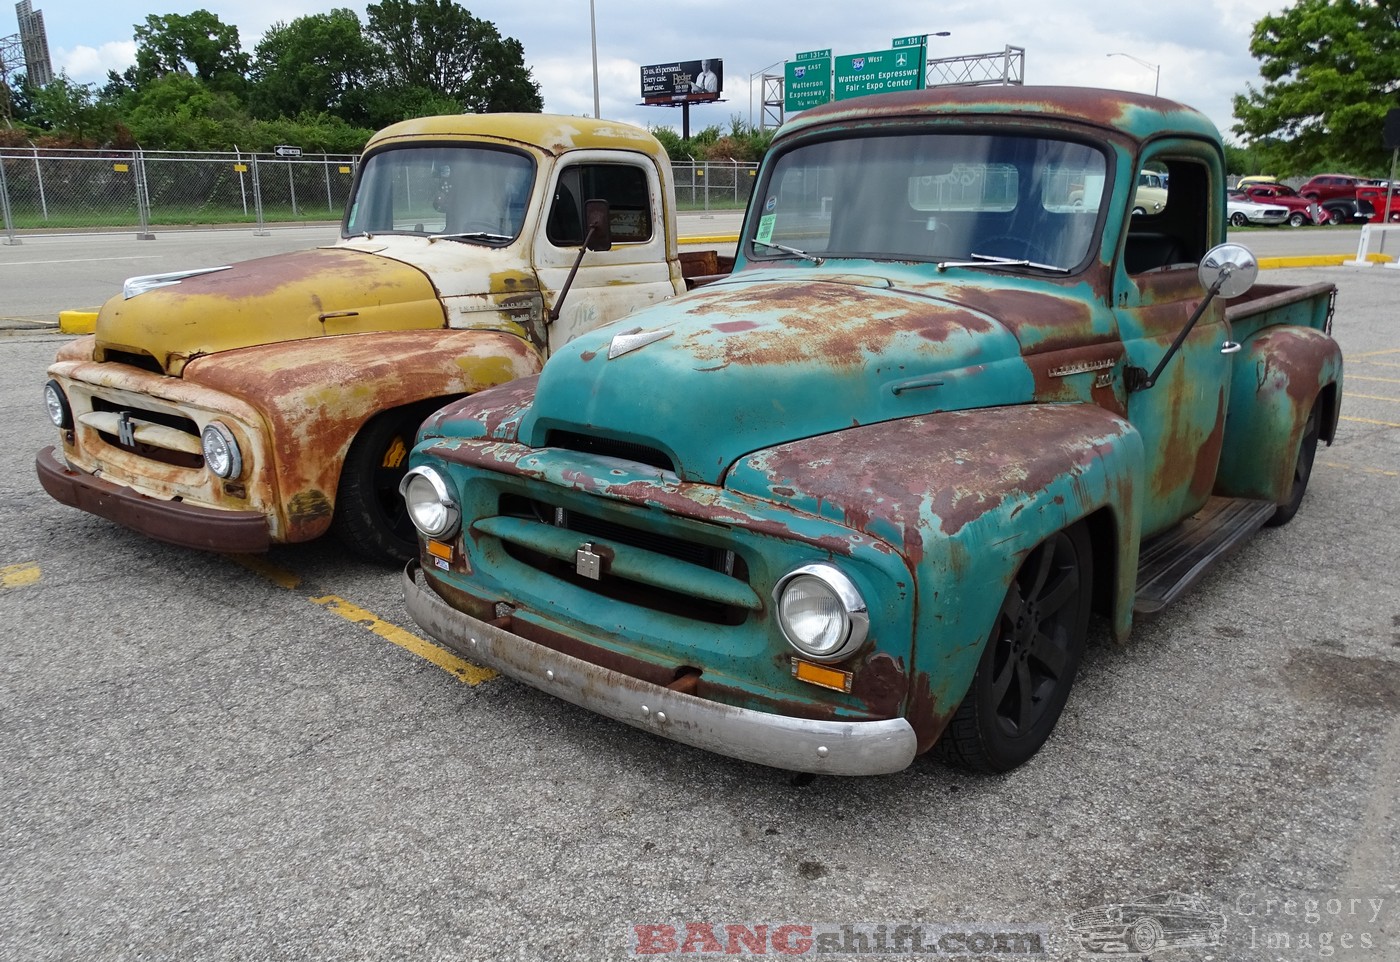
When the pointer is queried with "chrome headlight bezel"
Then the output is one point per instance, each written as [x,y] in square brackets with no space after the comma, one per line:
[853,627]
[221,453]
[436,496]
[56,402]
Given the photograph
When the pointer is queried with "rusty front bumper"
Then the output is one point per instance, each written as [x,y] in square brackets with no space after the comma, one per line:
[780,741]
[175,522]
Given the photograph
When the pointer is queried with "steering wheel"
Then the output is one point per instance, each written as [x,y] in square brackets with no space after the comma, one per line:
[1013,248]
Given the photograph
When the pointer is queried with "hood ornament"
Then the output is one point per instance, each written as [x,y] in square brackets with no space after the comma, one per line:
[629,341]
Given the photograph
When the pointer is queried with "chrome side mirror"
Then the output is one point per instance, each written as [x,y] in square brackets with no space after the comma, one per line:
[1228,270]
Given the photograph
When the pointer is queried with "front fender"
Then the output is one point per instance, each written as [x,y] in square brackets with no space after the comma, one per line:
[315,395]
[964,497]
[1276,378]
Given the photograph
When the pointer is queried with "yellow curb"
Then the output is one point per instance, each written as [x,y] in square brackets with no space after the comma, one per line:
[1319,260]
[77,322]
[709,239]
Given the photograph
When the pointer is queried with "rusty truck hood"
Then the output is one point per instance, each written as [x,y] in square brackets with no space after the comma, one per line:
[774,356]
[286,297]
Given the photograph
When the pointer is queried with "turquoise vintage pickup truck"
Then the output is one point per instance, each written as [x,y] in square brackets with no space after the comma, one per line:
[859,500]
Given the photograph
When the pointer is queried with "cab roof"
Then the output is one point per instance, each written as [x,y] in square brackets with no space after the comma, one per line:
[552,132]
[1137,115]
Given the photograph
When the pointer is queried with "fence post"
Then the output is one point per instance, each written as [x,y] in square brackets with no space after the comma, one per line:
[39,175]
[257,199]
[292,188]
[10,238]
[143,197]
[326,168]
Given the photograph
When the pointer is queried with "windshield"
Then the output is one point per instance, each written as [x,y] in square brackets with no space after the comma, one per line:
[470,193]
[933,197]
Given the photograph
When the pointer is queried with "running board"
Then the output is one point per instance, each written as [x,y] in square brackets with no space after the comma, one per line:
[1174,560]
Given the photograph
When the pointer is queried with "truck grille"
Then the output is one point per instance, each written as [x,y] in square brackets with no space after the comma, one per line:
[609,447]
[710,584]
[156,435]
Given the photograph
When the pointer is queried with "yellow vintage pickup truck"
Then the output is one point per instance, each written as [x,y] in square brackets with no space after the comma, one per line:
[276,399]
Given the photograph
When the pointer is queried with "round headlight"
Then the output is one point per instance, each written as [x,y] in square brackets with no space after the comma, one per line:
[430,505]
[221,454]
[821,613]
[57,405]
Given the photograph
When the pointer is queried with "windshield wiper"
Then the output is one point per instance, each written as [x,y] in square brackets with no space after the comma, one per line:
[793,251]
[991,260]
[471,235]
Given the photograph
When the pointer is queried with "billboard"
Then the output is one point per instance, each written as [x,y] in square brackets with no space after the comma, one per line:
[684,82]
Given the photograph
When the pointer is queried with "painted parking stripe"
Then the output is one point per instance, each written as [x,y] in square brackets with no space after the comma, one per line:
[1384,424]
[464,671]
[1373,397]
[1360,468]
[20,575]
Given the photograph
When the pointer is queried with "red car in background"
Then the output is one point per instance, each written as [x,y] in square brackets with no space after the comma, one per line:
[1300,210]
[1327,186]
[1376,197]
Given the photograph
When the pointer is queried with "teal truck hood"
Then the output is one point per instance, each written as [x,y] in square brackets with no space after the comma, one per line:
[769,357]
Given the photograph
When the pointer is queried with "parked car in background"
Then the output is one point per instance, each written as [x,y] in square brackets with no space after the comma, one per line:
[1244,182]
[1327,186]
[1347,210]
[1381,211]
[1151,195]
[1243,212]
[1300,210]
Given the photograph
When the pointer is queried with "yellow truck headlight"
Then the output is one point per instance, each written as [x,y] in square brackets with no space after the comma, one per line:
[57,405]
[221,454]
[430,504]
[821,612]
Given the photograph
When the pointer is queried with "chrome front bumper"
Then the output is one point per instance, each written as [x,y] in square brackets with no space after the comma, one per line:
[780,741]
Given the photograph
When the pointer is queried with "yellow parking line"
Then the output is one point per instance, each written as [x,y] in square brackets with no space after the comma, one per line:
[1384,350]
[1363,377]
[464,671]
[1363,470]
[1374,397]
[17,576]
[1384,424]
[259,566]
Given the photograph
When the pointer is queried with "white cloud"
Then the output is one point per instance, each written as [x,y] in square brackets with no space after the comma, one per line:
[86,65]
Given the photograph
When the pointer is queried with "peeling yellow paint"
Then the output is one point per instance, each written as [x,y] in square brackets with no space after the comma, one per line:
[463,671]
[259,566]
[488,371]
[20,575]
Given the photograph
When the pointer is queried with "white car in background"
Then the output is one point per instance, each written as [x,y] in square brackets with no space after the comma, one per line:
[1244,212]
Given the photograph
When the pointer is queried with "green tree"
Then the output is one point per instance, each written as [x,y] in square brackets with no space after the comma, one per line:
[64,107]
[436,49]
[199,44]
[1331,70]
[320,63]
[181,112]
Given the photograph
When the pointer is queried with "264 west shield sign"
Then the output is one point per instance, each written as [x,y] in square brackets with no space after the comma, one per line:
[879,72]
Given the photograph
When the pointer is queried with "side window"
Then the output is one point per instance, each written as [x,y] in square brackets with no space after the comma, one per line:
[623,186]
[1177,236]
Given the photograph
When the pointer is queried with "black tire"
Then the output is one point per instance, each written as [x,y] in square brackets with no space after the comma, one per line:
[370,518]
[1298,219]
[1145,935]
[1237,219]
[1302,469]
[1139,211]
[1028,666]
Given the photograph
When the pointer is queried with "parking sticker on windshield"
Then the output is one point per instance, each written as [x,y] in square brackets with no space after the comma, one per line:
[765,228]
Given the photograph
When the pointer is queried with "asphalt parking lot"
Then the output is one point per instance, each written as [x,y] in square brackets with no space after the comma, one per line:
[211,757]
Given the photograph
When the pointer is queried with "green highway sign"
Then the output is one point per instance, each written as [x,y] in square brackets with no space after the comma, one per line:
[815,55]
[918,40]
[879,72]
[806,83]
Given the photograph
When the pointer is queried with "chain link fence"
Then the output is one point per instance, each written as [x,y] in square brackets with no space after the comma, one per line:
[714,185]
[45,191]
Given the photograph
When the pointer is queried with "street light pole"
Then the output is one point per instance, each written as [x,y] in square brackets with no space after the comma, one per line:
[1155,67]
[593,26]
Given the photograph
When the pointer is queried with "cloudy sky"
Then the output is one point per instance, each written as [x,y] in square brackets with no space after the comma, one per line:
[1201,46]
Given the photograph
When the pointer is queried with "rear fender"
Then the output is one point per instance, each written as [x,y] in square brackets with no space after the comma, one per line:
[1276,377]
[964,497]
[316,395]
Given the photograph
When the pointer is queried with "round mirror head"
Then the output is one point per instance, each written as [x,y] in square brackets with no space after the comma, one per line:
[1231,266]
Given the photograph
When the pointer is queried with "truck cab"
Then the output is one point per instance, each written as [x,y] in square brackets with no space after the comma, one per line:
[858,500]
[273,400]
